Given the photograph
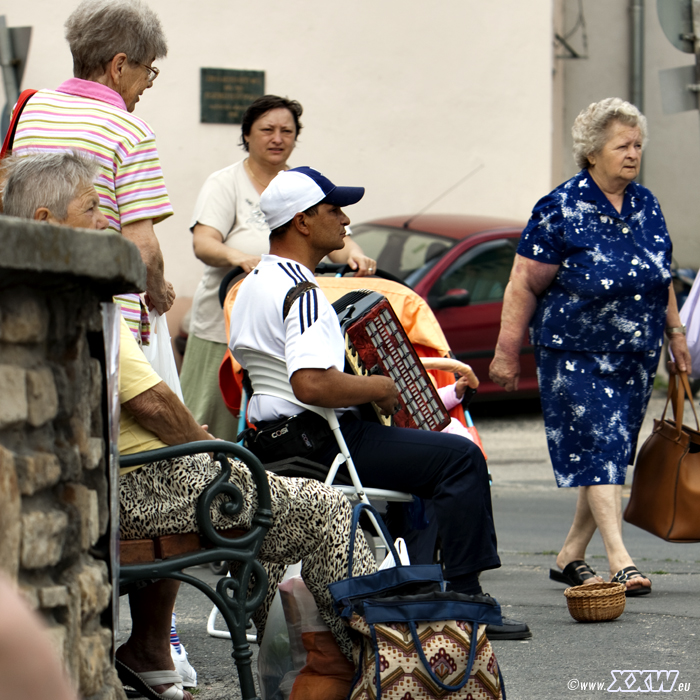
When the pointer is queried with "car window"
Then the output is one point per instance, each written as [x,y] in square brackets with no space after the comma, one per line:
[400,251]
[483,271]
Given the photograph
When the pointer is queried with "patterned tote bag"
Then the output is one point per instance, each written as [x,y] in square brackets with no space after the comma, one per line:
[415,640]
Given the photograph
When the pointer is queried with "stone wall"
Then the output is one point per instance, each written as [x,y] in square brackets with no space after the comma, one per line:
[54,474]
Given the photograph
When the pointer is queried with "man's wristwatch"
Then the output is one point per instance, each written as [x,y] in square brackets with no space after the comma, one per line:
[674,330]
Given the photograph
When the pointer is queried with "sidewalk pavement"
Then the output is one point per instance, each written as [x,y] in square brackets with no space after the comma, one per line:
[657,632]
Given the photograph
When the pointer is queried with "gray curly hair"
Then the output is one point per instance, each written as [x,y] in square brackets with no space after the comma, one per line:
[591,125]
[50,180]
[98,30]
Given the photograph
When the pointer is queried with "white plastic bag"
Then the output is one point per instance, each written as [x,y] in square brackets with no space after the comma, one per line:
[690,317]
[276,666]
[159,352]
[401,550]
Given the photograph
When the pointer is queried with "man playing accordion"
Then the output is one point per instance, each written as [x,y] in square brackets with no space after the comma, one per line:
[303,210]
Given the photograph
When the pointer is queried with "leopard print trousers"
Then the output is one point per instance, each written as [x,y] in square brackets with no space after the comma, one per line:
[310,523]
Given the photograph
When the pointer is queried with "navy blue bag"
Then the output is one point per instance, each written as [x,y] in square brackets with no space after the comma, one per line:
[416,639]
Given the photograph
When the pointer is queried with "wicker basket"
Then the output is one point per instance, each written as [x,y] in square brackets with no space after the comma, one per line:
[596,602]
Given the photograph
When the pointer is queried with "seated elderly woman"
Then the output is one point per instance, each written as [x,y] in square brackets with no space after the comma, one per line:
[53,187]
[310,521]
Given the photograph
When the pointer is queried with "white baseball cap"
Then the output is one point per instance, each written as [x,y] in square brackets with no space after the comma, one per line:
[295,190]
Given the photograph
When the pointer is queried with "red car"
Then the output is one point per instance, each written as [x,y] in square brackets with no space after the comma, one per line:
[460,265]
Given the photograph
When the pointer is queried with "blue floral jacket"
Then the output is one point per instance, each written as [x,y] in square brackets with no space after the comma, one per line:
[610,293]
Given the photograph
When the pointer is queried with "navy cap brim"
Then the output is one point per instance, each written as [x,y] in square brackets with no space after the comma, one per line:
[344,196]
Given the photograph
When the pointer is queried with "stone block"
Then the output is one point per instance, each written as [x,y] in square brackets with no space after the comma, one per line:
[70,618]
[95,452]
[53,597]
[37,471]
[113,264]
[30,595]
[42,398]
[72,381]
[24,319]
[95,392]
[69,458]
[90,448]
[94,588]
[113,689]
[13,390]
[97,479]
[65,390]
[43,534]
[86,502]
[57,639]
[10,506]
[80,433]
[94,662]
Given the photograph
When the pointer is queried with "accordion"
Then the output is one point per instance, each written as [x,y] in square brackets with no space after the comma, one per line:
[376,342]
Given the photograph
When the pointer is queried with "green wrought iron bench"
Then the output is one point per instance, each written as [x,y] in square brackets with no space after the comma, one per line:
[170,555]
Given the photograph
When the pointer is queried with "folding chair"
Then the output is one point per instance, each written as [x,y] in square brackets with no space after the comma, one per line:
[268,375]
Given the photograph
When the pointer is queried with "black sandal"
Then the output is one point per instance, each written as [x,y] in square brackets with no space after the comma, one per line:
[575,573]
[628,573]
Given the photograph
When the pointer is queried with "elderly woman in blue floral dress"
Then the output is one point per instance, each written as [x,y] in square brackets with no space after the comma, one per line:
[592,279]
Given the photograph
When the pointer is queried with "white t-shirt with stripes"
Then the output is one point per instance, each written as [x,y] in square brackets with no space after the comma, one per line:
[309,338]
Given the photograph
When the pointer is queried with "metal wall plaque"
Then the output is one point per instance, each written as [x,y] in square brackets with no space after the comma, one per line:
[226,94]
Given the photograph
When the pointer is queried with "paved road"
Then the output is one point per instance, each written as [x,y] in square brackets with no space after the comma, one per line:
[657,632]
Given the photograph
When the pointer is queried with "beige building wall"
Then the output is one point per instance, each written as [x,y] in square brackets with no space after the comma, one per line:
[672,159]
[558,96]
[404,98]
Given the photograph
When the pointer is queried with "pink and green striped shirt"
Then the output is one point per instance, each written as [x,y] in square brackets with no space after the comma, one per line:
[87,116]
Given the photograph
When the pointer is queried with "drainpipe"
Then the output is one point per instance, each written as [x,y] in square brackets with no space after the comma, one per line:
[637,61]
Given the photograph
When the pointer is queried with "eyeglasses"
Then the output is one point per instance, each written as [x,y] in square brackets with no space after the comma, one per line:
[153,72]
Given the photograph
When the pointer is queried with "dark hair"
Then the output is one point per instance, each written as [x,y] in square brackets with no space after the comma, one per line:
[281,230]
[263,105]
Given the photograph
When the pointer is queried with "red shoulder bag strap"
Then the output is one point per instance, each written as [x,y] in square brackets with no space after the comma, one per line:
[10,136]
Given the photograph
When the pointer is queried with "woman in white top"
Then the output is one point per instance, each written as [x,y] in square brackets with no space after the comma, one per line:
[229,230]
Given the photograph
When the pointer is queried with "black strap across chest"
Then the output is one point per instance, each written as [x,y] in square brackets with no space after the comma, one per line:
[294,293]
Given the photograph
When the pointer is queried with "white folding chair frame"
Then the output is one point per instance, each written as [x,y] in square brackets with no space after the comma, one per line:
[224,634]
[268,375]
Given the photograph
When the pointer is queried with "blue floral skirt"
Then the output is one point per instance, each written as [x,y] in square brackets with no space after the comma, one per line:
[593,406]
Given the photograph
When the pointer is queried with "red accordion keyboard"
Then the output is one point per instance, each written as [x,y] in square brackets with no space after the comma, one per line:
[376,342]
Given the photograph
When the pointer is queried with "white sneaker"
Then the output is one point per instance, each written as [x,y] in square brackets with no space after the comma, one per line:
[183,666]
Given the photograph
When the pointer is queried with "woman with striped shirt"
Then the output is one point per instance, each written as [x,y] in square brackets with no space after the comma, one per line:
[114,44]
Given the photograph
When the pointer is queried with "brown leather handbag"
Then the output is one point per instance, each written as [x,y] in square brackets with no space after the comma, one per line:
[665,498]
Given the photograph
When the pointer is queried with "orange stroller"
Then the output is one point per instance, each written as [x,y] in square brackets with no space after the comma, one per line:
[415,315]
